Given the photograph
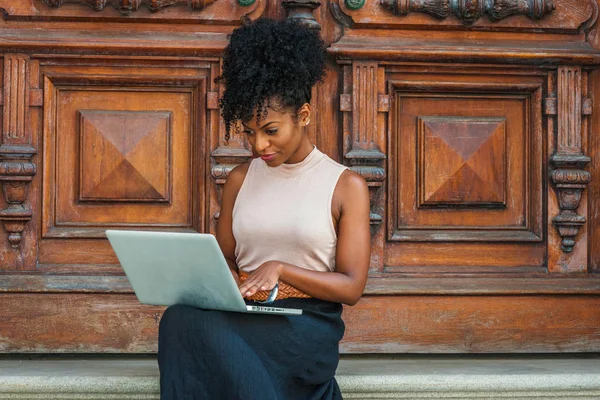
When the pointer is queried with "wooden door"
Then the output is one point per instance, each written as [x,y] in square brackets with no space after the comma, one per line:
[472,121]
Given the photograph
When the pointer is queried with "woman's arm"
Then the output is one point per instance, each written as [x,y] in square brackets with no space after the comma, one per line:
[353,251]
[224,232]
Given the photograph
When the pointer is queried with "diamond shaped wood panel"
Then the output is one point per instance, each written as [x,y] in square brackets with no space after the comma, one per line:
[465,167]
[116,147]
[462,161]
[122,157]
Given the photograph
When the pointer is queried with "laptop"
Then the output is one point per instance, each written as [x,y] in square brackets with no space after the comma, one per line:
[167,268]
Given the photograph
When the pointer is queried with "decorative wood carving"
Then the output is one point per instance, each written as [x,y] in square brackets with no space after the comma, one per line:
[126,7]
[227,154]
[115,147]
[342,18]
[16,167]
[469,11]
[354,4]
[465,167]
[568,177]
[361,138]
[570,185]
[221,168]
[588,25]
[473,171]
[437,8]
[302,11]
[16,171]
[134,148]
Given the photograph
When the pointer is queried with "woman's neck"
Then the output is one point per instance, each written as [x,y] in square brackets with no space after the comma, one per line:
[302,152]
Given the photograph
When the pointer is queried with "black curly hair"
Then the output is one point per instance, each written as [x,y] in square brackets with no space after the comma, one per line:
[269,63]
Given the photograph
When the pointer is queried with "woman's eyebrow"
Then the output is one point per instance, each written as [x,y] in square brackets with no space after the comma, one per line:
[268,123]
[262,127]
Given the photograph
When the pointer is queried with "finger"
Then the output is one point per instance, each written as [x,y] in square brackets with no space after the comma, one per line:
[250,283]
[247,283]
[256,278]
[253,289]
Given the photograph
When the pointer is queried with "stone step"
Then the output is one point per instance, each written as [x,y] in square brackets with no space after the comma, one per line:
[360,377]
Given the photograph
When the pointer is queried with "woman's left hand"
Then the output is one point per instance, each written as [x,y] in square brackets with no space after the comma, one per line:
[264,277]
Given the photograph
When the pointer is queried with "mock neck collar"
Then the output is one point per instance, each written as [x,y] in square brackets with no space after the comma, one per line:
[288,170]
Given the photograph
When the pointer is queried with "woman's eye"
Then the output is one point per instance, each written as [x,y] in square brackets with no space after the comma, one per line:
[271,131]
[249,133]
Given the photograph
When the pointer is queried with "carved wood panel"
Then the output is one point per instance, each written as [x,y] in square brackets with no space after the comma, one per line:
[474,159]
[503,15]
[16,152]
[365,108]
[469,11]
[133,11]
[126,7]
[115,178]
[123,148]
[568,113]
[443,118]
[125,156]
[462,162]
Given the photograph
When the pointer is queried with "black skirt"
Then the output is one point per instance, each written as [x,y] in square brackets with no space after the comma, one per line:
[222,355]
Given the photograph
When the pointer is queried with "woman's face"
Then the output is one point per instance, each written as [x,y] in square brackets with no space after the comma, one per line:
[279,137]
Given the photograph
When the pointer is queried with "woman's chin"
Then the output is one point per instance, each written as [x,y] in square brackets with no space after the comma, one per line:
[273,163]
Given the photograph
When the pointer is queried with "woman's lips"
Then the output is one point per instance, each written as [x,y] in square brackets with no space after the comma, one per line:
[268,157]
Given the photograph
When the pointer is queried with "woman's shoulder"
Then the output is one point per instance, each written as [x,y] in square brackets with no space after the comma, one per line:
[351,182]
[240,171]
[351,193]
[237,175]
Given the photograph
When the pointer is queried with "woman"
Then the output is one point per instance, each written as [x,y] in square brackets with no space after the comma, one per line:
[291,217]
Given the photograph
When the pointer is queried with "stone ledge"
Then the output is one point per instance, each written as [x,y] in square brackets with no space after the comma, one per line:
[364,377]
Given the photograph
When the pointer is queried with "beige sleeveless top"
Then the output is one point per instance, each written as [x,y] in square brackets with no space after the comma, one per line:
[284,214]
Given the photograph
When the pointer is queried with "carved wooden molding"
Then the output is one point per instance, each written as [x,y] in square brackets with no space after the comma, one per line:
[362,127]
[16,171]
[591,22]
[227,154]
[225,160]
[126,7]
[302,11]
[570,185]
[220,172]
[181,91]
[413,154]
[342,18]
[16,99]
[16,168]
[469,11]
[568,177]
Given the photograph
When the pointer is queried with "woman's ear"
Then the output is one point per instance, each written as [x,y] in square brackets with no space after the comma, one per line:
[304,114]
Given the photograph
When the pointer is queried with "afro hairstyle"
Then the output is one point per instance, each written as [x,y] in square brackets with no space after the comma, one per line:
[269,64]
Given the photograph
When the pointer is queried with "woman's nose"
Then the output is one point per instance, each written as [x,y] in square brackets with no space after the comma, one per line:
[261,143]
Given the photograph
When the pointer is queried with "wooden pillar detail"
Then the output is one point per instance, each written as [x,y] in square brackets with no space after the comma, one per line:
[302,11]
[16,151]
[568,177]
[225,160]
[469,11]
[363,129]
[227,153]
